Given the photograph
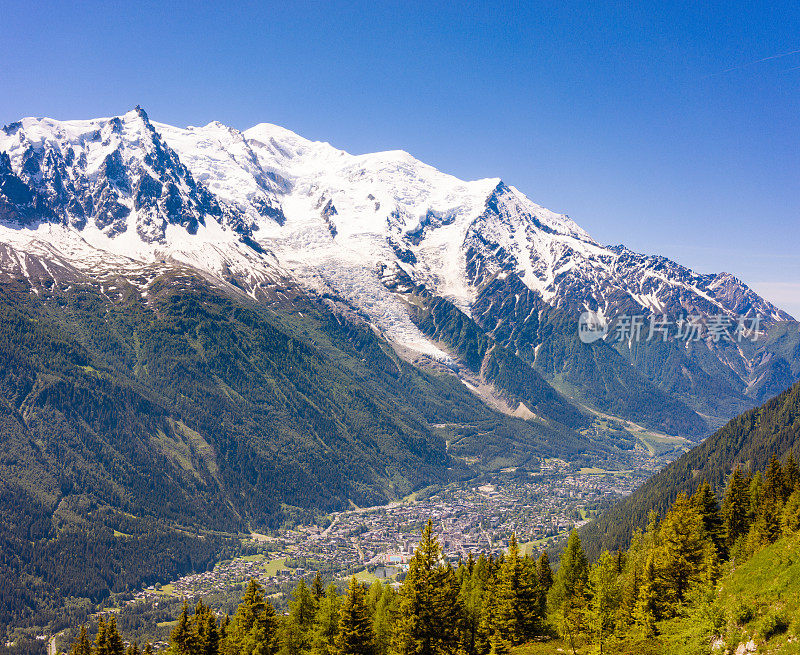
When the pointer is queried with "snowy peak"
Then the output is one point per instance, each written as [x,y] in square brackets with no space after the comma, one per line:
[112,174]
[336,220]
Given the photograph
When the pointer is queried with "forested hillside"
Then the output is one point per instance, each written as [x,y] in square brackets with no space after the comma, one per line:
[139,415]
[748,440]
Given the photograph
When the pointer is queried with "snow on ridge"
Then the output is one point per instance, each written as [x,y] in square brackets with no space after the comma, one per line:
[333,218]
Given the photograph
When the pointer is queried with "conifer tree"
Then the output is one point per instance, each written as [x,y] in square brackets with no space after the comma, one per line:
[82,645]
[647,606]
[516,616]
[769,513]
[296,629]
[100,638]
[568,594]
[790,517]
[791,474]
[499,646]
[544,575]
[316,587]
[133,649]
[303,608]
[108,640]
[736,507]
[705,502]
[184,639]
[630,581]
[756,491]
[326,623]
[148,649]
[205,624]
[684,554]
[383,622]
[355,624]
[430,614]
[774,484]
[604,599]
[253,629]
[544,572]
[474,600]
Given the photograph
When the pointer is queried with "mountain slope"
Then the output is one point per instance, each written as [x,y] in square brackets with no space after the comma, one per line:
[169,408]
[265,204]
[749,440]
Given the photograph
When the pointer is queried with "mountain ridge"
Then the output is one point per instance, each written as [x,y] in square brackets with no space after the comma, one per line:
[264,204]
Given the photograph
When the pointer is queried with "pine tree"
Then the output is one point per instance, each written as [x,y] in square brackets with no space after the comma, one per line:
[516,617]
[477,579]
[774,496]
[108,640]
[499,646]
[148,649]
[100,647]
[253,629]
[304,607]
[133,649]
[684,553]
[383,622]
[184,639]
[791,474]
[326,623]
[430,614]
[316,588]
[647,606]
[82,645]
[736,508]
[790,517]
[205,624]
[545,577]
[355,624]
[568,594]
[604,599]
[705,502]
[114,641]
[296,629]
[774,483]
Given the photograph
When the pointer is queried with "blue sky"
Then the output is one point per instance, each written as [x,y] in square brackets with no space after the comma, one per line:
[672,127]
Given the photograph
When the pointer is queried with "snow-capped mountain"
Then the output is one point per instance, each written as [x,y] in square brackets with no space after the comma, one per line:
[266,204]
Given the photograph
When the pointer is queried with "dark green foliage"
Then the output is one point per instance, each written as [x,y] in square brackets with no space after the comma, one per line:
[253,630]
[108,640]
[639,386]
[705,502]
[82,646]
[570,591]
[355,636]
[443,321]
[197,408]
[752,439]
[430,612]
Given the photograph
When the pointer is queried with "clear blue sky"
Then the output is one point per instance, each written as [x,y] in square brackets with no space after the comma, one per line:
[672,127]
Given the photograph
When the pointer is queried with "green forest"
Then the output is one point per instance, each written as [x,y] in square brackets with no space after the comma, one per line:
[749,441]
[670,591]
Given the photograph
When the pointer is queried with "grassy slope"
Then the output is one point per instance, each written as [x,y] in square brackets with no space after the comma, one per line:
[758,600]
